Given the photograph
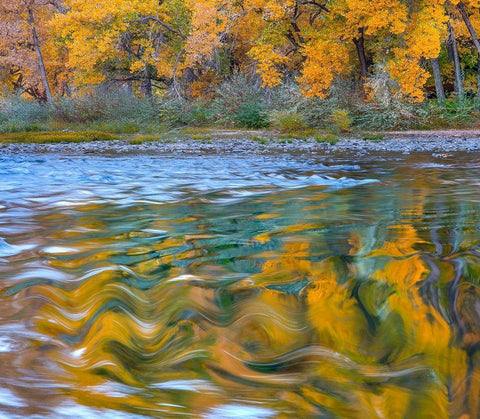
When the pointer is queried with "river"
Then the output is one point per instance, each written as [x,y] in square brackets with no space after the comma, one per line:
[239,286]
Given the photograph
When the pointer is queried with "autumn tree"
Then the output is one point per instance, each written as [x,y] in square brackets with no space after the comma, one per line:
[27,50]
[322,40]
[124,40]
[468,12]
[422,39]
[146,43]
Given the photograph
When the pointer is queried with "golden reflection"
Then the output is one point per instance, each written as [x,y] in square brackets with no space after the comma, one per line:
[302,317]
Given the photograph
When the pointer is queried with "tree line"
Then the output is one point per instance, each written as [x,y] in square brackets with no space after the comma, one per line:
[54,48]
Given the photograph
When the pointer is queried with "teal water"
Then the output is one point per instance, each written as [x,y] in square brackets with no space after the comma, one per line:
[207,286]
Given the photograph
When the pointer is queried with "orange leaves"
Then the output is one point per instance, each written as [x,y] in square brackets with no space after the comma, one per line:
[410,76]
[324,60]
[268,59]
[207,26]
[390,15]
[19,20]
[277,10]
[126,37]
[422,39]
[426,30]
[137,39]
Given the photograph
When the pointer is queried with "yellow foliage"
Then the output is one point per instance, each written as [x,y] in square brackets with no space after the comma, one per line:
[324,60]
[88,42]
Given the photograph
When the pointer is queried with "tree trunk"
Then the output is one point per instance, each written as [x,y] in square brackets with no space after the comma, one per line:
[437,75]
[478,83]
[468,24]
[146,87]
[473,35]
[452,42]
[360,46]
[129,87]
[38,52]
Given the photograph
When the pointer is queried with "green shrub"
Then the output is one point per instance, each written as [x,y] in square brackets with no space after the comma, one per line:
[251,115]
[18,115]
[287,96]
[111,105]
[197,114]
[236,93]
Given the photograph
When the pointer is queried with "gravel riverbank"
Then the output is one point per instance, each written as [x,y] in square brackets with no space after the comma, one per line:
[405,143]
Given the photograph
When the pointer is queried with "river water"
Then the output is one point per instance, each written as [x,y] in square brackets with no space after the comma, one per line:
[252,287]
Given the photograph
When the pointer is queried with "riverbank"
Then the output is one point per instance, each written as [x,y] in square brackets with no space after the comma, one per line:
[257,142]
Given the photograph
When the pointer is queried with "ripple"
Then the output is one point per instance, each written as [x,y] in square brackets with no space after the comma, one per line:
[7,250]
[239,411]
[238,287]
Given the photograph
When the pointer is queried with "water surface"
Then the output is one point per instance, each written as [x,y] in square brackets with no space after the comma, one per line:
[259,287]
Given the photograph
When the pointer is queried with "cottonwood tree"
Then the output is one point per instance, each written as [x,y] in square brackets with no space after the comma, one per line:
[27,49]
[124,40]
[469,12]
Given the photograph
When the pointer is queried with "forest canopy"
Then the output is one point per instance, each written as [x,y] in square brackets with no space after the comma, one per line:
[55,48]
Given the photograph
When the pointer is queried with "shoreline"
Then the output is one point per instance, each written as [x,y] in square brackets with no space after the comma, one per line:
[262,143]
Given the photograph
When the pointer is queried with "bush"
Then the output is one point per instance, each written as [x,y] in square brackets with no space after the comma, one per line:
[285,97]
[387,111]
[114,111]
[103,105]
[197,114]
[375,116]
[288,121]
[317,112]
[240,100]
[341,120]
[19,115]
[235,95]
[251,115]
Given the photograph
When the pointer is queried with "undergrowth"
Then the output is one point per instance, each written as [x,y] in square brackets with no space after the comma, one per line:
[240,102]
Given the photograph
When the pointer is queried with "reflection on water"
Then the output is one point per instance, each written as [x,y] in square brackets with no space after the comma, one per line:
[239,287]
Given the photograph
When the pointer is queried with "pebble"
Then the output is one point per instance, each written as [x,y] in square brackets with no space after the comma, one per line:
[407,145]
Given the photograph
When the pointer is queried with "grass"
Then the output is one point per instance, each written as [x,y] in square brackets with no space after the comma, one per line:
[241,105]
[61,131]
[55,137]
[259,139]
[374,137]
[304,134]
[328,138]
[201,137]
[142,138]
